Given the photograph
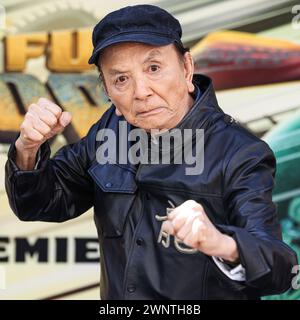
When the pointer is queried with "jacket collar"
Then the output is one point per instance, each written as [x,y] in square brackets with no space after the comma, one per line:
[204,105]
[204,112]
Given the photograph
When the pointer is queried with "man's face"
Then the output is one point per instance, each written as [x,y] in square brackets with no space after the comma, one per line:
[149,85]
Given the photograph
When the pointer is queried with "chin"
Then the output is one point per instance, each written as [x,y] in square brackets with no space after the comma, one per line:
[152,123]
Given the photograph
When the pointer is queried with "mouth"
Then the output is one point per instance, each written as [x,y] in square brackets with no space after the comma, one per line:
[150,112]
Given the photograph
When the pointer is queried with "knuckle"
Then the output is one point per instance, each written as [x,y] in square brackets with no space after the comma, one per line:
[30,116]
[190,243]
[25,136]
[25,125]
[198,207]
[180,234]
[33,108]
[176,224]
[47,130]
[199,214]
[57,110]
[52,121]
[40,138]
[36,138]
[42,100]
[191,202]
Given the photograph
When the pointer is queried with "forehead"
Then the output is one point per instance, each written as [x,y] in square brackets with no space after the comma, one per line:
[119,52]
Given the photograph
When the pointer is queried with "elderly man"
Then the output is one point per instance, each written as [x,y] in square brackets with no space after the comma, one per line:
[163,233]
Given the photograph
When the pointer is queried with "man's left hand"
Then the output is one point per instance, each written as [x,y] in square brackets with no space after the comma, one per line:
[190,224]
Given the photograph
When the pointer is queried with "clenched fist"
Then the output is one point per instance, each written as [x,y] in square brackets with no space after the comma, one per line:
[43,120]
[190,224]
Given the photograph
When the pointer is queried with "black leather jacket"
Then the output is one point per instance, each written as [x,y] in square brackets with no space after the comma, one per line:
[234,188]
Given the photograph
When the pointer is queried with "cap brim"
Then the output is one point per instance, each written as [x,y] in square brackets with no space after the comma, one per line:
[152,39]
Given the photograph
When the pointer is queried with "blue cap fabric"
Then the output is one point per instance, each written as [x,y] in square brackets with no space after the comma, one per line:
[140,23]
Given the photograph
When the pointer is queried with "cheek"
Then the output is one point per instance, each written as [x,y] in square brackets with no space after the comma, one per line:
[175,93]
[123,101]
[174,85]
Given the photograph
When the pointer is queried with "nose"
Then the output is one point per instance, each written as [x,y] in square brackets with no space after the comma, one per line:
[142,89]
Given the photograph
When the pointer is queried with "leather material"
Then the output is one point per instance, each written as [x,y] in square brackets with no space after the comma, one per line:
[235,189]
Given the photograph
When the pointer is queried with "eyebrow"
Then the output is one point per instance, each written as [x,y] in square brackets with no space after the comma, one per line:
[114,72]
[151,55]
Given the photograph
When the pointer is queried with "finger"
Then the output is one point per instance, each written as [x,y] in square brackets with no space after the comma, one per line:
[44,114]
[65,119]
[50,106]
[47,117]
[179,216]
[187,227]
[195,236]
[191,241]
[168,227]
[198,230]
[184,217]
[39,125]
[32,135]
[187,205]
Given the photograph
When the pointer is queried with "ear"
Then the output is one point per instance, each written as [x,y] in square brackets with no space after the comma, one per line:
[188,64]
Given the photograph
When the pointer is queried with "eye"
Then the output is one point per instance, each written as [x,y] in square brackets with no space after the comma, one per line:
[154,68]
[121,79]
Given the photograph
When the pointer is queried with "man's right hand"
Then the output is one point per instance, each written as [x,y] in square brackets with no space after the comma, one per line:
[43,120]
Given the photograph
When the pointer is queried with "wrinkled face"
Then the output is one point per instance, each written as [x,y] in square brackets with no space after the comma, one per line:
[149,85]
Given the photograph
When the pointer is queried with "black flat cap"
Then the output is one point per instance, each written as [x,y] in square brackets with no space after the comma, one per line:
[140,23]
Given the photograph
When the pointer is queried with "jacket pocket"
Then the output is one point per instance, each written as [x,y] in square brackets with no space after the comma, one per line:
[222,285]
[114,196]
[114,178]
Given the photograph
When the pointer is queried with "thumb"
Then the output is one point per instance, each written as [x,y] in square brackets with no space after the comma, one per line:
[65,119]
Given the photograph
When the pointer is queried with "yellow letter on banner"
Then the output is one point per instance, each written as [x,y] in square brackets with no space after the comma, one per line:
[70,51]
[19,48]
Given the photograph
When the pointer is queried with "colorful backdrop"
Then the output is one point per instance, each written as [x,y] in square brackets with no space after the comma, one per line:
[250,48]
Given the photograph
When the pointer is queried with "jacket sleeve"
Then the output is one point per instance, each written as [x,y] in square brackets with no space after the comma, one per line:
[58,189]
[252,219]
